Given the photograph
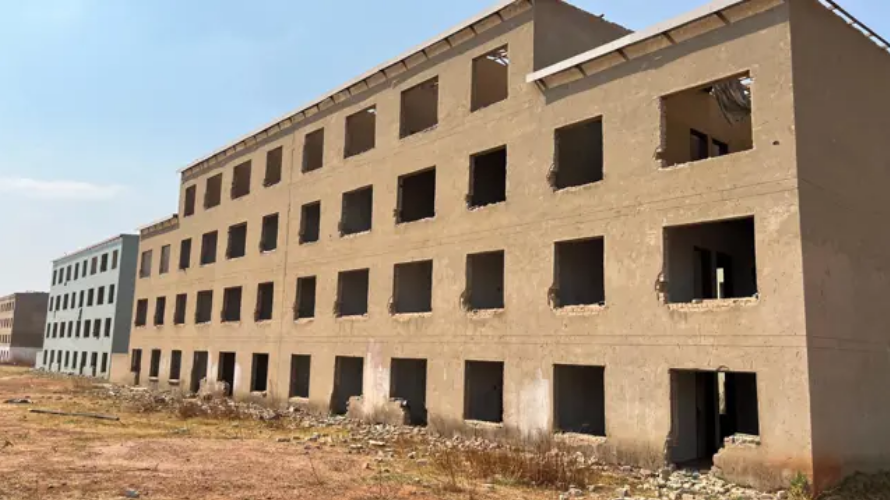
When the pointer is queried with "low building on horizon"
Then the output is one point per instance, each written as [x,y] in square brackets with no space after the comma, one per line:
[22,316]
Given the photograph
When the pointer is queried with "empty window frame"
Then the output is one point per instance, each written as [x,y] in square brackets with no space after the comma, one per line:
[707,121]
[488,178]
[141,314]
[274,160]
[348,382]
[165,260]
[204,307]
[710,260]
[491,78]
[90,295]
[213,191]
[265,297]
[111,293]
[208,247]
[188,202]
[237,244]
[175,365]
[420,108]
[113,260]
[300,365]
[240,180]
[417,196]
[313,151]
[578,273]
[145,264]
[259,372]
[185,254]
[357,211]
[154,369]
[485,281]
[413,287]
[179,309]
[97,328]
[407,383]
[305,302]
[579,399]
[578,154]
[100,295]
[103,266]
[352,293]
[361,132]
[231,310]
[94,265]
[484,391]
[160,310]
[269,233]
[107,328]
[310,222]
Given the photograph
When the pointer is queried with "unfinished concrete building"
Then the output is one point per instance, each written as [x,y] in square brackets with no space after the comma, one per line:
[21,327]
[659,246]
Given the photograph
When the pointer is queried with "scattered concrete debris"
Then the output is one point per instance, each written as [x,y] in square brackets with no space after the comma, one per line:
[19,401]
[76,414]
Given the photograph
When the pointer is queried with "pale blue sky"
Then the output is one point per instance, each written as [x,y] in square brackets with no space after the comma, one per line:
[101,101]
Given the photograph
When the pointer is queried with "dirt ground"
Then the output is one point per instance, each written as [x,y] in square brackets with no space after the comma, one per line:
[162,456]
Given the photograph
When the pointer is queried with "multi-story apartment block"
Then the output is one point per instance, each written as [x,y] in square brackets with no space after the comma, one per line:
[662,245]
[90,306]
[21,327]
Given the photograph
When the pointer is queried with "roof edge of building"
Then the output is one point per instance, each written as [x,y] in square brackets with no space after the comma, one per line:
[94,246]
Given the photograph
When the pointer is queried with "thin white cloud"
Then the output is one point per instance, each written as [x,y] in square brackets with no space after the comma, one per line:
[59,190]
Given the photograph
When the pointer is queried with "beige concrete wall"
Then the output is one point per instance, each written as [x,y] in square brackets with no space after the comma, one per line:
[563,30]
[841,80]
[635,336]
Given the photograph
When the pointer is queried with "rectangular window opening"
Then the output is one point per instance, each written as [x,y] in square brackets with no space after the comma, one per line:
[269,233]
[185,254]
[240,180]
[711,260]
[274,160]
[348,382]
[485,281]
[352,293]
[179,310]
[300,365]
[204,307]
[417,196]
[265,295]
[226,371]
[213,191]
[237,244]
[484,391]
[160,310]
[420,108]
[188,204]
[107,328]
[491,76]
[154,368]
[231,311]
[141,314]
[305,306]
[165,260]
[488,178]
[208,248]
[259,372]
[103,266]
[145,264]
[578,273]
[313,151]
[361,132]
[357,213]
[707,121]
[413,287]
[175,365]
[579,399]
[578,155]
[310,222]
[407,383]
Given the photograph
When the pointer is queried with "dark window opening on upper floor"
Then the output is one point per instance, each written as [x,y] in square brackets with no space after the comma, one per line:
[94,265]
[179,309]
[578,273]
[417,196]
[237,244]
[305,305]
[578,158]
[269,233]
[361,132]
[313,151]
[488,178]
[103,265]
[707,121]
[711,260]
[231,310]
[491,76]
[208,247]
[352,293]
[420,108]
[188,205]
[114,259]
[141,314]
[213,191]
[160,310]
[274,160]
[241,180]
[204,307]
[165,260]
[185,254]
[310,222]
[413,287]
[485,281]
[358,210]
[265,296]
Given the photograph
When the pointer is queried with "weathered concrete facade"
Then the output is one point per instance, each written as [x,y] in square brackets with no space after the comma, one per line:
[646,291]
[21,327]
[90,304]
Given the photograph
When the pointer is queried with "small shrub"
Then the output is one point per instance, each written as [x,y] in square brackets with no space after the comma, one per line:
[800,488]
